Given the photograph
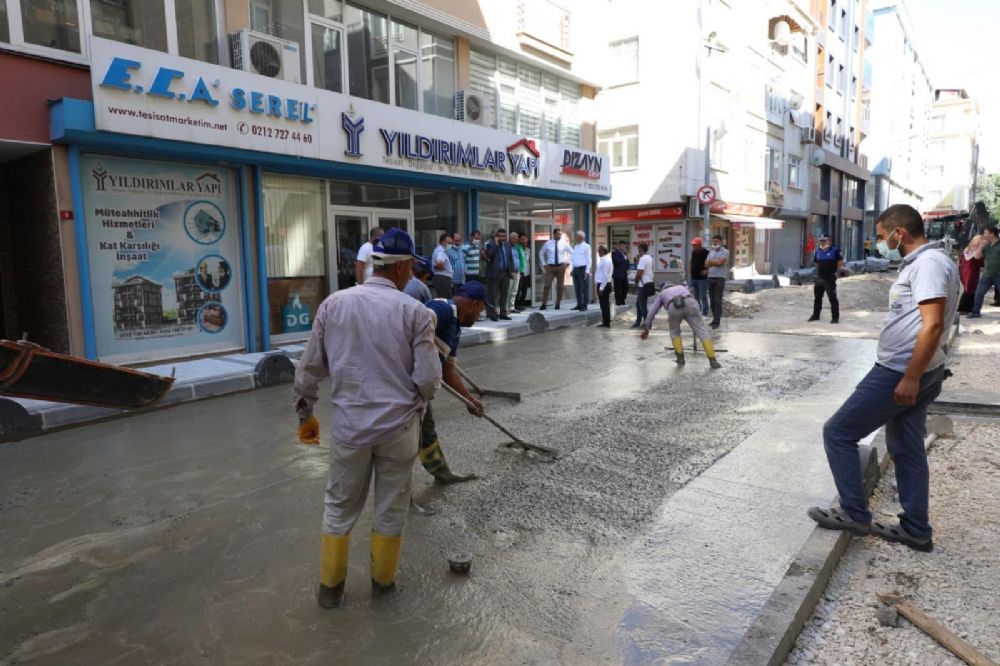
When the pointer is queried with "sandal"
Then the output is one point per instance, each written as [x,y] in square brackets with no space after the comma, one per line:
[897,534]
[836,519]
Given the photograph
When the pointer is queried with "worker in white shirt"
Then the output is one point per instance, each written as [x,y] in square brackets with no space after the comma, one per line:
[644,284]
[581,262]
[603,284]
[364,266]
[681,306]
[552,259]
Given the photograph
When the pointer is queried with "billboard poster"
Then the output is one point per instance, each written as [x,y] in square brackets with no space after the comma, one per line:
[669,247]
[165,269]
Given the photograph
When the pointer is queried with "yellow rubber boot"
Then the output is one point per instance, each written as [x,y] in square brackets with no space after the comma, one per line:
[333,569]
[678,350]
[710,353]
[385,561]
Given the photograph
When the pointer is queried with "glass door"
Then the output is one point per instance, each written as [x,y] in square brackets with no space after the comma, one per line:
[349,231]
[540,233]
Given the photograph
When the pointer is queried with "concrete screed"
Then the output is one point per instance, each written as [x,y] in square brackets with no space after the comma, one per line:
[192,534]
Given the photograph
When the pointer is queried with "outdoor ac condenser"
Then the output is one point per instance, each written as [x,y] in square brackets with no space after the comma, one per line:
[268,56]
[472,108]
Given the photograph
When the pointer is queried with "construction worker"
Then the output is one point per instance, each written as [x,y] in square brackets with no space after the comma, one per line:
[450,315]
[681,305]
[377,346]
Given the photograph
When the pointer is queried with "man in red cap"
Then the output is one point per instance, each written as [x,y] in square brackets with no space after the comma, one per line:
[698,274]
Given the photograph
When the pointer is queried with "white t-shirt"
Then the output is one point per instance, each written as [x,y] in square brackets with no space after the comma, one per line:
[365,255]
[645,265]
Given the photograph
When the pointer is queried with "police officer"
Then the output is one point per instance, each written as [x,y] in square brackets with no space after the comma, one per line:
[827,261]
[681,306]
[377,344]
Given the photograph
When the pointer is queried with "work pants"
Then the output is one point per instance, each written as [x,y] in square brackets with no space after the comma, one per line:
[580,286]
[515,282]
[716,288]
[983,288]
[869,407]
[351,471]
[621,290]
[700,288]
[553,273]
[522,292]
[499,288]
[604,298]
[442,286]
[827,283]
[691,313]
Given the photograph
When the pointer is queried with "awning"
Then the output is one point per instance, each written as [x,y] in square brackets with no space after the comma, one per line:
[742,222]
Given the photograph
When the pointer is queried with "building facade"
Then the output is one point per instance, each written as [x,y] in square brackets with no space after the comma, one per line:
[953,153]
[901,96]
[265,138]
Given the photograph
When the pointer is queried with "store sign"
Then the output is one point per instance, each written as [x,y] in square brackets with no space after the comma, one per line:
[152,94]
[635,214]
[164,257]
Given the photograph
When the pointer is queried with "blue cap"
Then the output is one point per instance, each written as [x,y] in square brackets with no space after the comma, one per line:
[423,264]
[395,242]
[474,292]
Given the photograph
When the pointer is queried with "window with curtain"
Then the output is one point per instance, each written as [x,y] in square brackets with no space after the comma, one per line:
[295,251]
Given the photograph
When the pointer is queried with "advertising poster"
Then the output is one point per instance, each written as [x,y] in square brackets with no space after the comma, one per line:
[642,233]
[164,258]
[669,247]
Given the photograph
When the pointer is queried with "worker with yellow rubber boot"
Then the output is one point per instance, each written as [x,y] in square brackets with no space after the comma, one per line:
[463,309]
[681,306]
[377,346]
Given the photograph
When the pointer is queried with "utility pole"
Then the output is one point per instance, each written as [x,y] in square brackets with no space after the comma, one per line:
[707,208]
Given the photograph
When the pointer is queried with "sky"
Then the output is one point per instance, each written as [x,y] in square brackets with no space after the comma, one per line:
[958,42]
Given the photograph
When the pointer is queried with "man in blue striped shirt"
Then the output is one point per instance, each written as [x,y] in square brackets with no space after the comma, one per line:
[457,256]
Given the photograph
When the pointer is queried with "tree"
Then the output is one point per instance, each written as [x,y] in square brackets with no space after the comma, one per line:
[988,191]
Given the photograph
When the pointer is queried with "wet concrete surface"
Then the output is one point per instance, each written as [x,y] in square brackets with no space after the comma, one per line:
[191,535]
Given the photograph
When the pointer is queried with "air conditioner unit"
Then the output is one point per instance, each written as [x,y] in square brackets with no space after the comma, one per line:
[471,107]
[268,56]
[694,208]
[774,188]
[808,135]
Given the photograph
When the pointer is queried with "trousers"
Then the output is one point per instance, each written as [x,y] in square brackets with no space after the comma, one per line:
[604,298]
[515,284]
[828,284]
[621,290]
[522,291]
[499,288]
[691,313]
[442,286]
[700,288]
[716,288]
[642,303]
[351,471]
[869,407]
[553,273]
[983,288]
[580,286]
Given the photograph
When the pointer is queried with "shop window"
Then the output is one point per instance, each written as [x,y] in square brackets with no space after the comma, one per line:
[624,61]
[51,23]
[369,196]
[434,213]
[367,53]
[139,22]
[197,33]
[620,146]
[296,259]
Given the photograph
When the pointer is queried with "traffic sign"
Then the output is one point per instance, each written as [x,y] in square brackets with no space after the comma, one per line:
[706,195]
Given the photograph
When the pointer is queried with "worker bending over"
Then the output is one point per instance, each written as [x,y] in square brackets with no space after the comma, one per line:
[377,346]
[680,305]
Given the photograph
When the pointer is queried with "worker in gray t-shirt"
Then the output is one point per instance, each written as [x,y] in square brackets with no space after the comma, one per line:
[718,271]
[906,378]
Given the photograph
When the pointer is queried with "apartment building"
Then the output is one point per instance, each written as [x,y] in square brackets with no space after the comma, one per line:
[953,153]
[271,136]
[735,77]
[901,96]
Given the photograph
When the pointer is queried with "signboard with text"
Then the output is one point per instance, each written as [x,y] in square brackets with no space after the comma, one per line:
[148,93]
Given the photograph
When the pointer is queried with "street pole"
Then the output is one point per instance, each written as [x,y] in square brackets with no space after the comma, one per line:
[706,224]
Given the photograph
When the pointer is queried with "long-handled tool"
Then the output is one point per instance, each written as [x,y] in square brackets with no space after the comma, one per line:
[527,446]
[510,395]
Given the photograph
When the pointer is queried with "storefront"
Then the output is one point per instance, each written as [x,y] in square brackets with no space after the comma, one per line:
[660,228]
[759,245]
[213,210]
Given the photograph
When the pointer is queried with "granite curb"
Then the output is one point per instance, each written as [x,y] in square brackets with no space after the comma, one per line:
[235,373]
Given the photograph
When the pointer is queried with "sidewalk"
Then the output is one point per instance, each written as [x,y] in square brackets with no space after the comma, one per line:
[233,373]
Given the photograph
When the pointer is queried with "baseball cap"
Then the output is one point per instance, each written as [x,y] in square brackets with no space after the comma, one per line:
[474,291]
[394,245]
[696,240]
[824,237]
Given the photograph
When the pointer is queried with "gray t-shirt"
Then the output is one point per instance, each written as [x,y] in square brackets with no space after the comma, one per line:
[418,290]
[926,274]
[718,271]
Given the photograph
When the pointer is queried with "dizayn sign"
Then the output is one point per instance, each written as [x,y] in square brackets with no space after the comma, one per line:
[148,93]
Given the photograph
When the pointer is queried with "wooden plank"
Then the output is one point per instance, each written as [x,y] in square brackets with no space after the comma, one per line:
[936,630]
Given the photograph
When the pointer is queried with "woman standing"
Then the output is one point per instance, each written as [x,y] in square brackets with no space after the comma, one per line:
[969,265]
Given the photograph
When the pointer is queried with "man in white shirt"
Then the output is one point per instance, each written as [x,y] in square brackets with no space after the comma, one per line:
[581,262]
[363,267]
[443,273]
[552,259]
[602,283]
[644,284]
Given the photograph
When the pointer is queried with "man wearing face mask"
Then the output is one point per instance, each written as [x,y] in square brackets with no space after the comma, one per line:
[827,260]
[896,392]
[716,262]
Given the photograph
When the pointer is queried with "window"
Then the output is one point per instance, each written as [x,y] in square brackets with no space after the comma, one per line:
[844,24]
[624,61]
[830,71]
[831,14]
[437,74]
[526,100]
[857,38]
[841,78]
[620,146]
[4,23]
[367,53]
[54,23]
[327,58]
[775,103]
[794,171]
[197,30]
[772,167]
[405,58]
[281,18]
[139,22]
[854,88]
[852,193]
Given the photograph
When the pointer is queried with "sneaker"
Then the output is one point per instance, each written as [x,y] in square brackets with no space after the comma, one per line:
[714,324]
[813,318]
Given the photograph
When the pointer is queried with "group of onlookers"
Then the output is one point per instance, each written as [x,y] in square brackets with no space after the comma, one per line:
[979,269]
